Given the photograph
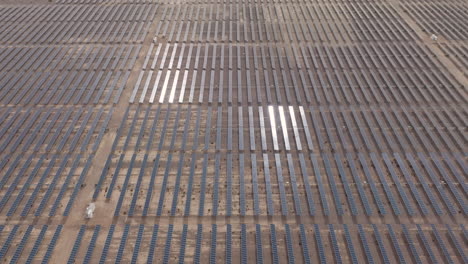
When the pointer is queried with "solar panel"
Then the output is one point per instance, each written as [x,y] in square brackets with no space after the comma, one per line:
[396,246]
[124,186]
[350,246]
[450,184]
[292,175]
[465,232]
[304,244]
[318,240]
[335,244]
[317,128]
[454,171]
[425,186]
[136,190]
[20,195]
[378,237]
[336,196]
[25,129]
[426,244]
[21,245]
[436,183]
[323,197]
[266,169]
[441,244]
[412,247]
[78,186]
[136,249]
[189,185]
[258,244]
[228,259]
[12,129]
[347,187]
[107,244]
[289,244]
[329,135]
[214,229]
[229,185]
[76,245]
[115,176]
[123,242]
[386,187]
[305,177]
[152,245]
[396,180]
[274,244]
[198,244]
[92,244]
[362,194]
[183,244]
[41,181]
[52,244]
[201,206]
[243,244]
[279,173]
[216,185]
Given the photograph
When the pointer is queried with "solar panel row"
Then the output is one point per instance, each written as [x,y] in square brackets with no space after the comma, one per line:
[350,130]
[355,74]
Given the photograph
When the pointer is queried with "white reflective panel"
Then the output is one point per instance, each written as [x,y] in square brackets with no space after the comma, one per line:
[202,86]
[145,88]
[262,128]
[229,145]
[241,128]
[174,87]
[284,127]
[155,58]
[182,88]
[148,55]
[164,87]
[271,112]
[163,59]
[192,88]
[295,128]
[155,87]
[306,128]
[137,85]
[251,129]
[181,57]
[171,61]
[189,57]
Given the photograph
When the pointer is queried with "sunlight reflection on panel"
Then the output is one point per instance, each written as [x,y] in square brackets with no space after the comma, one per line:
[284,128]
[271,112]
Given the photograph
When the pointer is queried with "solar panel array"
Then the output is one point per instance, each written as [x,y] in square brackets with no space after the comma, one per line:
[62,68]
[266,131]
[306,243]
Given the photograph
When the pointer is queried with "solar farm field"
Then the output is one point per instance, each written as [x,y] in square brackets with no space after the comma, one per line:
[234,131]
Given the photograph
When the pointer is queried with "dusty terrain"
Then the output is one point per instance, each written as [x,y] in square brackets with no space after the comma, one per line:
[233,131]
